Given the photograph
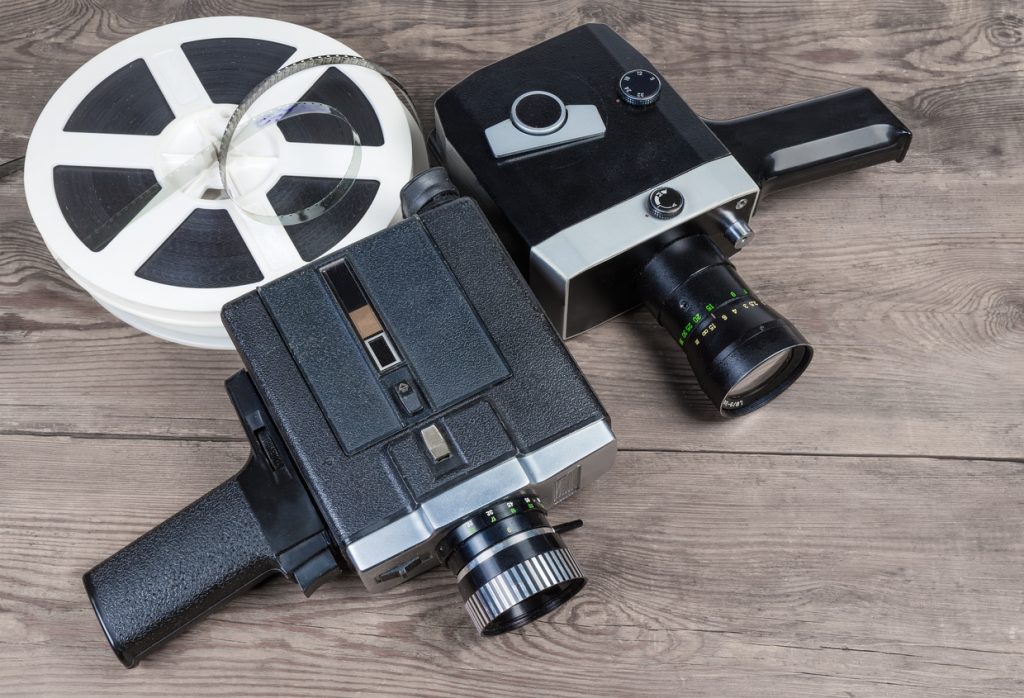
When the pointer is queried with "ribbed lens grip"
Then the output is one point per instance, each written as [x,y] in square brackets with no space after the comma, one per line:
[520,583]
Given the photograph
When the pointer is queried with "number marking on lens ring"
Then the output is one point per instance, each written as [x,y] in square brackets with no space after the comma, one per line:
[711,310]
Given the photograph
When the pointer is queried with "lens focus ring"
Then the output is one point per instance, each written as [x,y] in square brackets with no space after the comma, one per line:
[743,353]
[511,565]
[520,583]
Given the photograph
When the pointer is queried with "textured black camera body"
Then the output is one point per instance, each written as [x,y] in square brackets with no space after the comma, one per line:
[610,191]
[408,405]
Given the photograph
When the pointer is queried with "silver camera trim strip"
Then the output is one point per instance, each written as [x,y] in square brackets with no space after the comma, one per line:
[415,536]
[605,235]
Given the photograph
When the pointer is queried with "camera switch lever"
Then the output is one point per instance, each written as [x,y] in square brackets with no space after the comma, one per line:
[435,442]
[403,570]
[568,526]
[408,397]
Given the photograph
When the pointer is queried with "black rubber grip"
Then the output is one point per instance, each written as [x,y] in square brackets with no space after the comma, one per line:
[173,575]
[810,140]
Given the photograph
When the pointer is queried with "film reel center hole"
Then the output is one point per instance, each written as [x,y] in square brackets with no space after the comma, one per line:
[188,154]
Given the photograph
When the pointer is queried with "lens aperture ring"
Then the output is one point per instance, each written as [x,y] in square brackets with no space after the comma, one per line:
[702,325]
[518,584]
[481,530]
[497,548]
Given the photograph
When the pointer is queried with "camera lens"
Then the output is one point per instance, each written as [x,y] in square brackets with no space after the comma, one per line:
[761,374]
[511,565]
[743,353]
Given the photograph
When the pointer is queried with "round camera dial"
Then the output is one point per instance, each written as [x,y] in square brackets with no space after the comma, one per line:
[665,202]
[538,113]
[639,88]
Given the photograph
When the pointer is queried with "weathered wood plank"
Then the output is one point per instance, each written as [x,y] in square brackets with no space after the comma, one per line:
[745,575]
[953,69]
[755,570]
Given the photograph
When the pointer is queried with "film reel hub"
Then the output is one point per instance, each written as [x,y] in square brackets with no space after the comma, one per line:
[191,142]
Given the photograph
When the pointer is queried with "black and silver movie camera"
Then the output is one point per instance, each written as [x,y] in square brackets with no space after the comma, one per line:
[609,192]
[408,405]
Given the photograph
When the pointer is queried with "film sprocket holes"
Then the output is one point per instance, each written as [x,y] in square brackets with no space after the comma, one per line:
[122,177]
[408,405]
[609,191]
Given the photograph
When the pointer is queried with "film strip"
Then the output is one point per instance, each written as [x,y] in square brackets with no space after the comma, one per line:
[163,213]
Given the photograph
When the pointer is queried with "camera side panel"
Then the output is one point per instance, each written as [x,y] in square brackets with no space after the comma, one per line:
[351,493]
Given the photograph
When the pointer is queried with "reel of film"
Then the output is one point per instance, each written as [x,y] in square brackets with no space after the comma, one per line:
[134,197]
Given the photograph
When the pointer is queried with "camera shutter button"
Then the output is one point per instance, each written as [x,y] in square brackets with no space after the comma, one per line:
[538,113]
[665,202]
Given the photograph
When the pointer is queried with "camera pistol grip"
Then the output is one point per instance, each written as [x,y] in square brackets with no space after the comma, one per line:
[259,523]
[813,139]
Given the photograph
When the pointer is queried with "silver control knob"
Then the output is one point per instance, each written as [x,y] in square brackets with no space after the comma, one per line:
[735,230]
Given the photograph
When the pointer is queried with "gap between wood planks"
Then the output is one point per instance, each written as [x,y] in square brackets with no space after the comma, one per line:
[703,451]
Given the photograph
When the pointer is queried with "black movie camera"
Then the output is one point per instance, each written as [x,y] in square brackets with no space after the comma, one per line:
[408,405]
[609,192]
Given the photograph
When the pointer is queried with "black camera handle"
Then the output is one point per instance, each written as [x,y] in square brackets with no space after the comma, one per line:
[813,139]
[259,523]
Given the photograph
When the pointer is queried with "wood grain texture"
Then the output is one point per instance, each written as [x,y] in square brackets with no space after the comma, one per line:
[864,535]
[787,575]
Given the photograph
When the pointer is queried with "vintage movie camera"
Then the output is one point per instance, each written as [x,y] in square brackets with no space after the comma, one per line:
[610,192]
[408,405]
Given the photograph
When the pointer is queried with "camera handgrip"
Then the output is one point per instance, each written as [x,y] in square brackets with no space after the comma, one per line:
[171,576]
[816,138]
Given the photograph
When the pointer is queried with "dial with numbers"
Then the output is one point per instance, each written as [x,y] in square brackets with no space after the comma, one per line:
[639,88]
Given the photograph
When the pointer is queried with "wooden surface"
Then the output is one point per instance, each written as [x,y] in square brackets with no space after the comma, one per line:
[862,536]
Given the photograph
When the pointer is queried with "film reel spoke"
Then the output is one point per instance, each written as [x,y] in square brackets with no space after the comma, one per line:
[178,81]
[105,150]
[312,160]
[268,243]
[376,163]
[149,229]
[293,88]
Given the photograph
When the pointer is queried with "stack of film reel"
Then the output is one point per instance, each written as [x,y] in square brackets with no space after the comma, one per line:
[142,204]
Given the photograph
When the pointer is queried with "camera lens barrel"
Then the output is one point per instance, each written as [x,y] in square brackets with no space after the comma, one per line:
[743,353]
[511,565]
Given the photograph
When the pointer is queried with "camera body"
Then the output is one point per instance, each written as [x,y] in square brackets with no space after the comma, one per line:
[609,192]
[408,405]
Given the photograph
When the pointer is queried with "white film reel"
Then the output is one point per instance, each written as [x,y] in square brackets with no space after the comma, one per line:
[133,118]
